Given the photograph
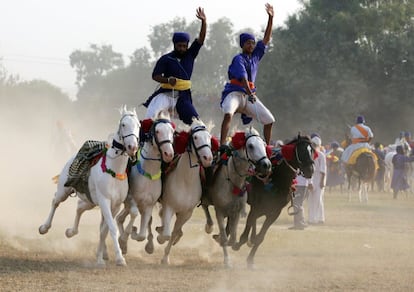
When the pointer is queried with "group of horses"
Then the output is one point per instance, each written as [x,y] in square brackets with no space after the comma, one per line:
[180,170]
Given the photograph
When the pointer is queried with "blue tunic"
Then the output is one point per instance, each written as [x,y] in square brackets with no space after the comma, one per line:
[170,66]
[243,66]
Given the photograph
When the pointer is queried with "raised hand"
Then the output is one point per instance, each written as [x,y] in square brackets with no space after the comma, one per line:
[269,9]
[200,14]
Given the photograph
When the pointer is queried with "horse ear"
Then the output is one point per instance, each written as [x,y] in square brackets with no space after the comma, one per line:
[134,111]
[298,135]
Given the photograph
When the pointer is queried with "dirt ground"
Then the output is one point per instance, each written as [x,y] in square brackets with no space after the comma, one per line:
[361,247]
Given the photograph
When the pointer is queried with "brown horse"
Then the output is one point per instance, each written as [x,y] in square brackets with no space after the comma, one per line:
[268,200]
[365,171]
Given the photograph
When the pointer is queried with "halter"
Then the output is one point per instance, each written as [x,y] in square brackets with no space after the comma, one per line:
[154,137]
[252,162]
[116,144]
[192,144]
[298,170]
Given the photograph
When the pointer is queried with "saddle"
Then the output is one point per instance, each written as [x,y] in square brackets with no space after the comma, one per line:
[88,155]
[354,156]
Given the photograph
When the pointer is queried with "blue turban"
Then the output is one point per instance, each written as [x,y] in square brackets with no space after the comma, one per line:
[244,37]
[407,134]
[334,144]
[360,120]
[315,135]
[181,37]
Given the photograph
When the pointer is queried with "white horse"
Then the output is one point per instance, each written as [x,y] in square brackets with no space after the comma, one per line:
[145,179]
[107,184]
[229,187]
[182,185]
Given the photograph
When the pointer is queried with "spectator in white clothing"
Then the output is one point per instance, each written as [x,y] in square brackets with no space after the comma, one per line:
[316,188]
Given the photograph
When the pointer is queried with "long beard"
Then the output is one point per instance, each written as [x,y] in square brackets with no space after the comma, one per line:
[179,55]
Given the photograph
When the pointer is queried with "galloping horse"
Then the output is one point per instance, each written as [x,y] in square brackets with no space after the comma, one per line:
[107,183]
[268,200]
[182,185]
[365,171]
[145,179]
[227,189]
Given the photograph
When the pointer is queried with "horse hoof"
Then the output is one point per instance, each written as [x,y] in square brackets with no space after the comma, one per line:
[101,264]
[105,255]
[70,233]
[236,246]
[137,237]
[162,238]
[208,228]
[228,265]
[121,262]
[249,243]
[159,229]
[165,261]
[149,248]
[43,229]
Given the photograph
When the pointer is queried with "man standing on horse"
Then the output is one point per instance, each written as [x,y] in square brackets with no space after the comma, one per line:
[361,135]
[239,94]
[173,71]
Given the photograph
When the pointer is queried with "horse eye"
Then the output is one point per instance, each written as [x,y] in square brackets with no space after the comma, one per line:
[123,125]
[250,146]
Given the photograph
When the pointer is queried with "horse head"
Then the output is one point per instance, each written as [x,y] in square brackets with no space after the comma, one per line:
[159,133]
[254,150]
[200,142]
[128,131]
[299,154]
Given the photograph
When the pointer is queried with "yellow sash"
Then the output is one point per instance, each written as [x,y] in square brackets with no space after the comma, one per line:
[180,85]
[356,153]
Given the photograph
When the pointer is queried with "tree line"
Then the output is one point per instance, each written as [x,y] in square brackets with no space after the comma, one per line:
[330,62]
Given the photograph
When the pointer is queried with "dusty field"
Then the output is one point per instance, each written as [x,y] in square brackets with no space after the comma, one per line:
[360,248]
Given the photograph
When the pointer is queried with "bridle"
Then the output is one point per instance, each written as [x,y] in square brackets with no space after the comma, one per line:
[121,146]
[154,138]
[191,144]
[251,161]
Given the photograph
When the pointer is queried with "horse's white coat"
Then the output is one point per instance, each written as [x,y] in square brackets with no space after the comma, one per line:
[182,187]
[106,191]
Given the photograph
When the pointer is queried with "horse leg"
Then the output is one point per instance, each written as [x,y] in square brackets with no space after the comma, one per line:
[101,252]
[123,237]
[260,237]
[209,222]
[221,238]
[360,190]
[164,230]
[234,221]
[61,195]
[82,207]
[108,214]
[145,218]
[149,247]
[251,220]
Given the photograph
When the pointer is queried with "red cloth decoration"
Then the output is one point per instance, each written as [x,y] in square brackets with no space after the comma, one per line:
[238,140]
[146,125]
[214,144]
[173,125]
[181,142]
[315,155]
[288,151]
[269,149]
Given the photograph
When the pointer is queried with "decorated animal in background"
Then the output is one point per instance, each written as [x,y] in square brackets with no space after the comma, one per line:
[182,185]
[226,191]
[364,170]
[107,185]
[270,198]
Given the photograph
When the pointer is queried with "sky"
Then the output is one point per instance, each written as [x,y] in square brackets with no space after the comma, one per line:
[37,36]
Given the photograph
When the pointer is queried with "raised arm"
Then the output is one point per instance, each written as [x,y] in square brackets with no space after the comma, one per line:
[268,31]
[200,15]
